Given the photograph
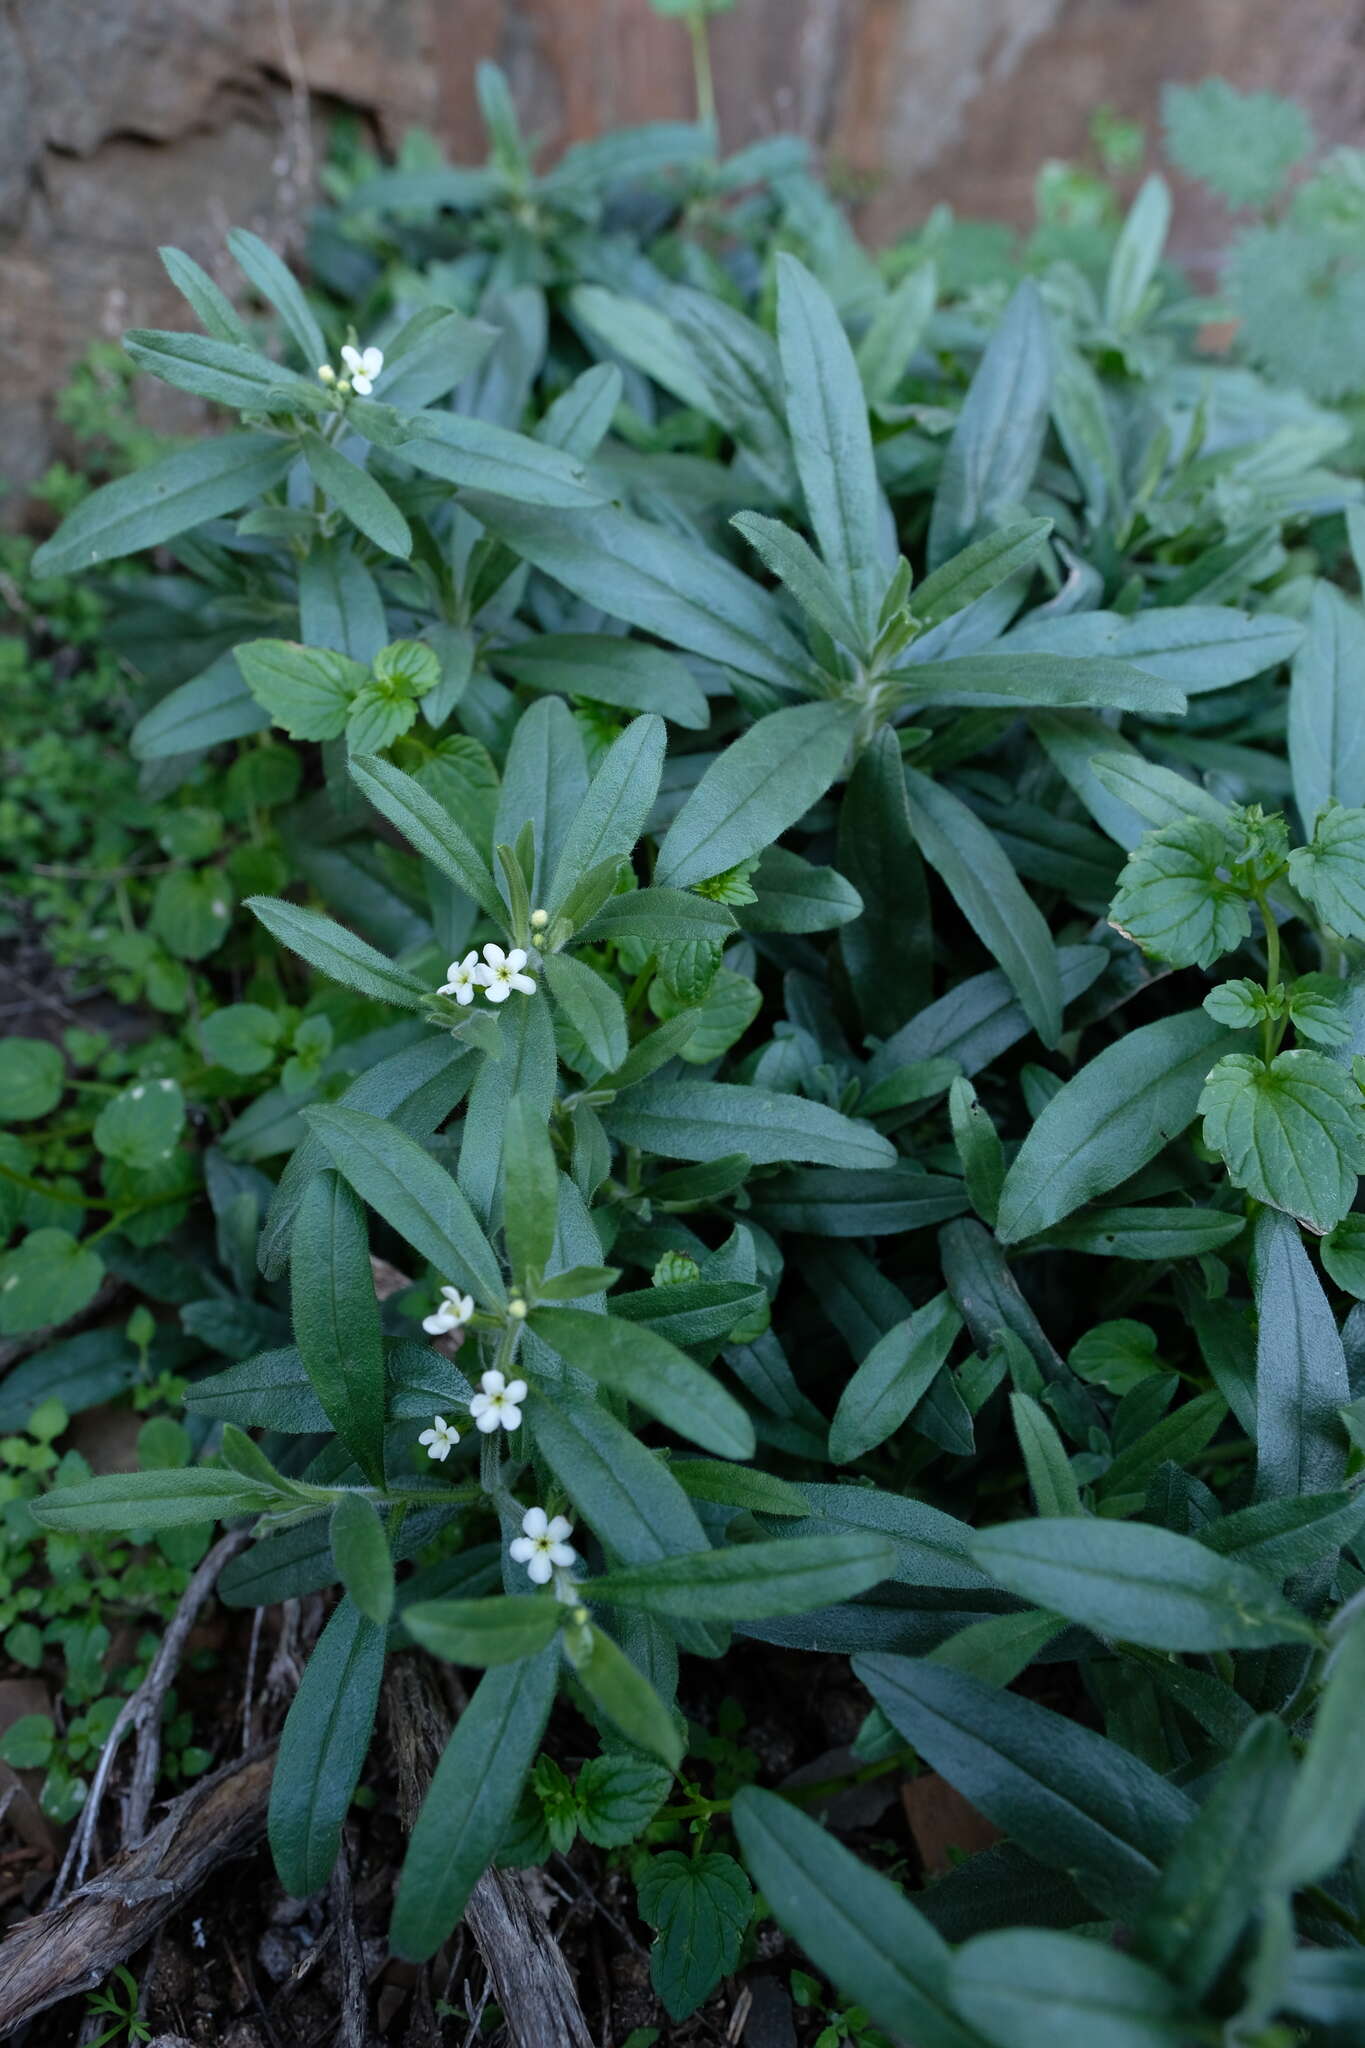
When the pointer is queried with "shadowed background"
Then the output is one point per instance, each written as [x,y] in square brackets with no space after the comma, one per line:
[126,123]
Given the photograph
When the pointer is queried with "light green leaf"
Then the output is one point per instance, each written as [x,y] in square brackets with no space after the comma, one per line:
[1330,872]
[361,1550]
[1291,1133]
[500,1630]
[307,690]
[32,1077]
[1172,900]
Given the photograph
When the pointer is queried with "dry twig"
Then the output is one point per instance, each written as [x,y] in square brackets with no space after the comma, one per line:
[142,1710]
[73,1947]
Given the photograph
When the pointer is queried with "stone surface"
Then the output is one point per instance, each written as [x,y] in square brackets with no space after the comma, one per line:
[124,123]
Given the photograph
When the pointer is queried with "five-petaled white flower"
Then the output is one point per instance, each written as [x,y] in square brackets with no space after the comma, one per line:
[499,1404]
[502,972]
[463,977]
[364,366]
[440,1439]
[454,1312]
[542,1545]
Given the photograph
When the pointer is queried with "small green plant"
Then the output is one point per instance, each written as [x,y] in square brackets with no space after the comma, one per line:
[740,756]
[120,2000]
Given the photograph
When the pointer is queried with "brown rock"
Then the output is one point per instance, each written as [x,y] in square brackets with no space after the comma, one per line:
[945,1826]
[128,122]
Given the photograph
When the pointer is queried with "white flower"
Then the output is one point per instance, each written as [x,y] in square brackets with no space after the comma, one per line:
[502,973]
[364,366]
[454,1312]
[440,1439]
[499,1403]
[463,977]
[542,1545]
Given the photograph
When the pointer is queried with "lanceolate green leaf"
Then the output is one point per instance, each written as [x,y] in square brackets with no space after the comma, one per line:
[1213,1882]
[354,491]
[892,1377]
[855,1925]
[152,1500]
[990,896]
[983,682]
[1035,1988]
[322,1749]
[1139,1584]
[411,1192]
[631,673]
[1073,1799]
[636,1361]
[762,784]
[1326,713]
[1328,1795]
[827,418]
[471,1799]
[998,438]
[500,1630]
[480,456]
[336,1317]
[436,835]
[711,1119]
[663,585]
[170,495]
[633,1503]
[612,814]
[1109,1120]
[337,953]
[1302,1382]
[752,1580]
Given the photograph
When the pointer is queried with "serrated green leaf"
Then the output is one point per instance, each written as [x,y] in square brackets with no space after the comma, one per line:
[1173,901]
[1292,1133]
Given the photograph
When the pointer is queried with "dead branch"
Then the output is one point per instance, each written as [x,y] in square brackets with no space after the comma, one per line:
[355,2026]
[527,1966]
[142,1711]
[74,1946]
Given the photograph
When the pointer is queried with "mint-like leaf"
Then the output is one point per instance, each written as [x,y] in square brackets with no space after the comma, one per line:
[1330,872]
[1172,899]
[1291,1133]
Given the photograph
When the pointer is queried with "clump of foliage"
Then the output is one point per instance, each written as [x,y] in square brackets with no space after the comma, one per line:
[777,743]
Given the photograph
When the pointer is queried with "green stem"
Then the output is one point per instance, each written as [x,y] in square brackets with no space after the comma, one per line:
[701,65]
[1272,1029]
[36,1187]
